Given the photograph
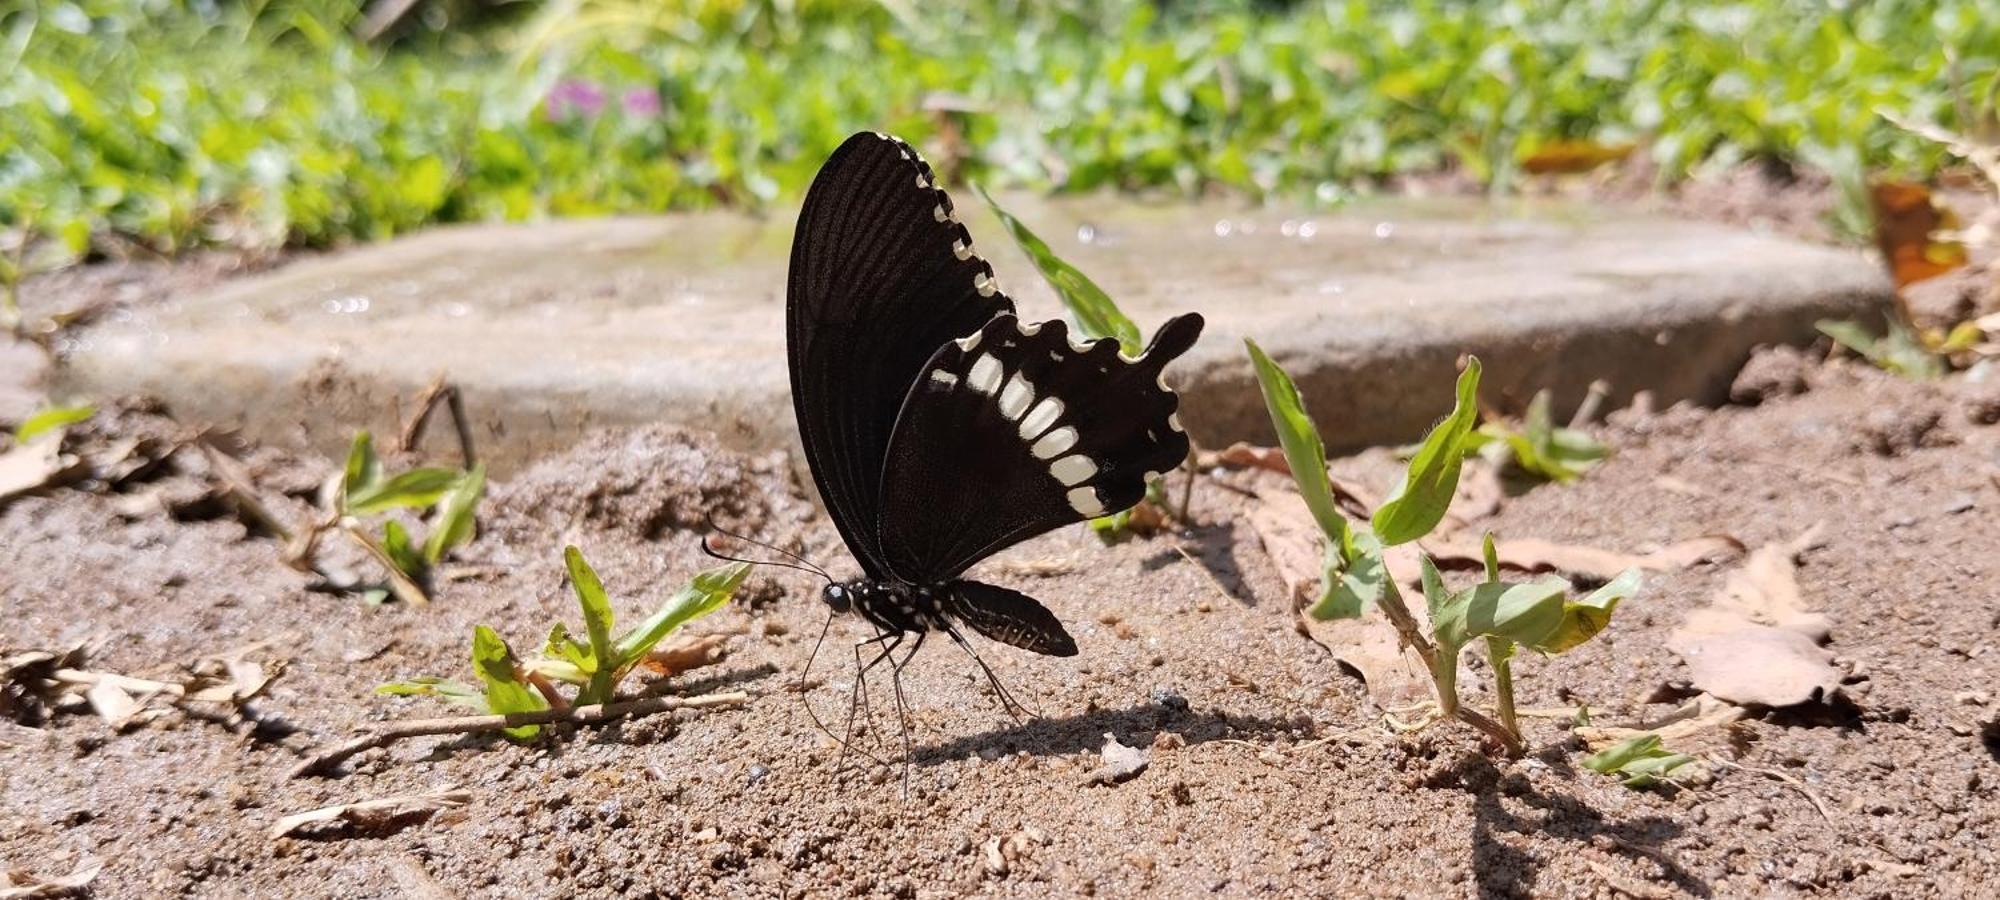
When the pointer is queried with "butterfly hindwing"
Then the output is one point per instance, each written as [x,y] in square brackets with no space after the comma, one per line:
[1009,617]
[882,274]
[1013,431]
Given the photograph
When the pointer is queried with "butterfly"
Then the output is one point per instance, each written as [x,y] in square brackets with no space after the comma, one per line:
[940,428]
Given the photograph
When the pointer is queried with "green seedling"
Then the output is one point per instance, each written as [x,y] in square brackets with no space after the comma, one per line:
[1538,446]
[1095,316]
[50,421]
[1638,762]
[1537,615]
[449,497]
[1900,350]
[594,666]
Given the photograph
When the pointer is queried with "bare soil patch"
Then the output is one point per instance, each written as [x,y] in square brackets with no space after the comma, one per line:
[1269,771]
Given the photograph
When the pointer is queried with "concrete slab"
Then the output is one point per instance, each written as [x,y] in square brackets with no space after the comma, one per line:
[551,329]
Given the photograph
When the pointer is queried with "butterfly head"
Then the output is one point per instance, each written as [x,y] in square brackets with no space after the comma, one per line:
[838,597]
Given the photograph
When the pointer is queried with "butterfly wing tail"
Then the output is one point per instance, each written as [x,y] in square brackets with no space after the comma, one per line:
[1009,617]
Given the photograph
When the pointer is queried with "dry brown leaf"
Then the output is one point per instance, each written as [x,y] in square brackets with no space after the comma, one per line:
[1354,498]
[35,465]
[20,884]
[1756,643]
[686,653]
[113,705]
[1292,540]
[1703,713]
[1532,555]
[375,813]
[1907,221]
[1395,677]
[1574,157]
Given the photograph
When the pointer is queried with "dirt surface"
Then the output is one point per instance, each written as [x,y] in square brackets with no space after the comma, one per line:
[1270,771]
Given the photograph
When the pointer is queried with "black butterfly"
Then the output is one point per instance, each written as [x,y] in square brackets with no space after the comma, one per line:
[939,427]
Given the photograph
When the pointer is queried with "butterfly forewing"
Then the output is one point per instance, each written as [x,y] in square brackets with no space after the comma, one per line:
[882,274]
[1014,431]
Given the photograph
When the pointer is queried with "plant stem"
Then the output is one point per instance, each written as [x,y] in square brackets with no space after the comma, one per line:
[581,715]
[400,583]
[1501,651]
[1391,604]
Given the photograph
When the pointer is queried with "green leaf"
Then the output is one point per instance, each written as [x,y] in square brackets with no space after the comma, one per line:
[1583,619]
[1490,554]
[1522,613]
[505,691]
[457,513]
[363,468]
[55,418]
[396,542]
[706,593]
[597,621]
[1640,761]
[1305,453]
[1419,501]
[456,692]
[1899,350]
[415,489]
[1095,314]
[1352,577]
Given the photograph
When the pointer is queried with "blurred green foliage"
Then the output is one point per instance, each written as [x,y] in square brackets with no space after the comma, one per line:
[169,124]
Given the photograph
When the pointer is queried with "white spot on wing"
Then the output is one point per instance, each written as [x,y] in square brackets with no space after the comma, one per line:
[922,182]
[1084,500]
[1174,422]
[985,375]
[1055,442]
[1073,469]
[961,251]
[944,378]
[1027,329]
[938,213]
[1041,417]
[970,341]
[985,284]
[1016,396]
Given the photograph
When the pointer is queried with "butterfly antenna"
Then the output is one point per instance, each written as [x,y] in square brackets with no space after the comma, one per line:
[805,565]
[711,551]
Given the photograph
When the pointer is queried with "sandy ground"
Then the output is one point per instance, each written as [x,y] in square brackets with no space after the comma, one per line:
[1270,771]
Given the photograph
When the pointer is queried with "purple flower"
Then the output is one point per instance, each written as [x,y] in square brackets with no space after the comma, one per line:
[641,103]
[570,99]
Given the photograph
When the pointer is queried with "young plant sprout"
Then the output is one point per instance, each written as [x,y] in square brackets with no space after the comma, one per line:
[1537,446]
[450,496]
[1096,316]
[594,666]
[49,421]
[1638,762]
[1538,615]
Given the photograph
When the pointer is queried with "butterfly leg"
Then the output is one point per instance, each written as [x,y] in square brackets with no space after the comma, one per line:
[858,697]
[903,707]
[807,702]
[1007,702]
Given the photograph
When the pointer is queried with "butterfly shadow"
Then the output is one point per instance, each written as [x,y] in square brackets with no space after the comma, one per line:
[1213,549]
[1135,726]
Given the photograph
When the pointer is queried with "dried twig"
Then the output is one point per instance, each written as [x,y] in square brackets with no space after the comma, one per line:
[374,812]
[582,715]
[440,391]
[1800,786]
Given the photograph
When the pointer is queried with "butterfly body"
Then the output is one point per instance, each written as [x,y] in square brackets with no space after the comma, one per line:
[940,428]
